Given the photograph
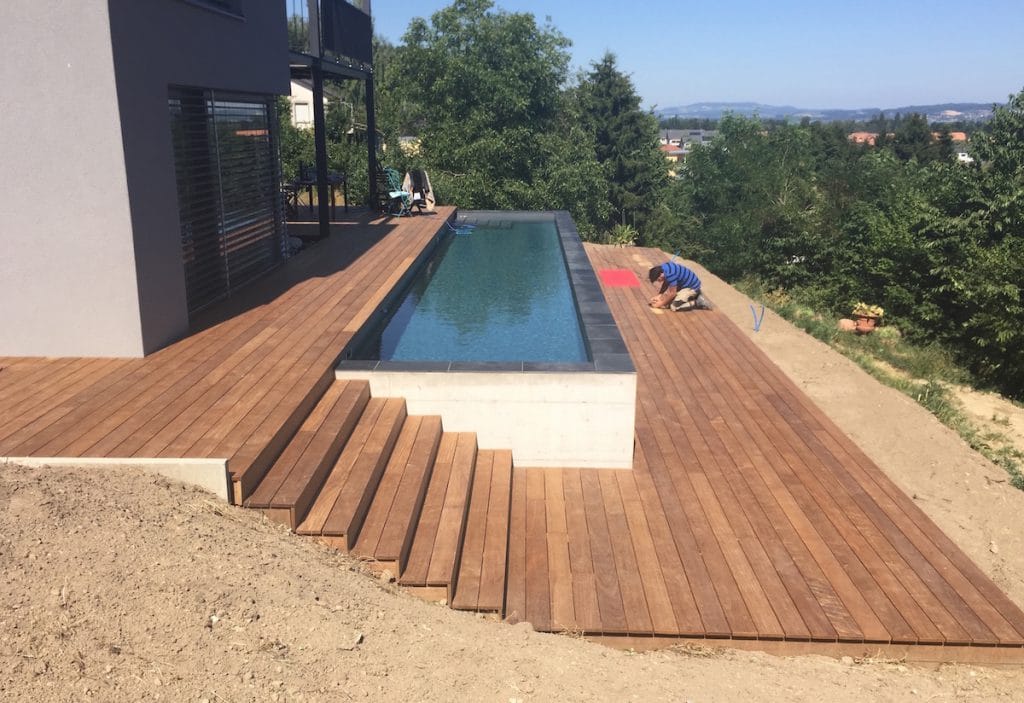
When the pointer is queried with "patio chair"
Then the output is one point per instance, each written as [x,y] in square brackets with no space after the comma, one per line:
[395,199]
[417,182]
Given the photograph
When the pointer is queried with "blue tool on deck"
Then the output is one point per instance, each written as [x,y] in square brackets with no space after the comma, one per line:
[758,319]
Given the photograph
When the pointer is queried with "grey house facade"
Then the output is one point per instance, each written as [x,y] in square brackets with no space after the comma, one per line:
[140,174]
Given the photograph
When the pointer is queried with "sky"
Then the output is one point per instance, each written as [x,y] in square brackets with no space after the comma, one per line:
[807,54]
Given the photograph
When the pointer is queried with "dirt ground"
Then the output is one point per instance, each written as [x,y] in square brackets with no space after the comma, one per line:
[123,586]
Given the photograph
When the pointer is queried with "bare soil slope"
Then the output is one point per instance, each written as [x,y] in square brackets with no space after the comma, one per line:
[120,586]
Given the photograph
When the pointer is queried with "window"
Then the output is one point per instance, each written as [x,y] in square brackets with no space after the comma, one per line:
[303,115]
[228,178]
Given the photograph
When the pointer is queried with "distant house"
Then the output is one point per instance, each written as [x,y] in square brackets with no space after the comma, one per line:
[301,100]
[863,137]
[964,158]
[671,137]
[954,136]
[685,138]
[673,153]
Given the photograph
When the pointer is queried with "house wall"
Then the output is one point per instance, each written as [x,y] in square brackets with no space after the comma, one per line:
[88,201]
[157,44]
[67,271]
[302,95]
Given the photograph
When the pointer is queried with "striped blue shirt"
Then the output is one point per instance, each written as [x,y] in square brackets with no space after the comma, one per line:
[679,276]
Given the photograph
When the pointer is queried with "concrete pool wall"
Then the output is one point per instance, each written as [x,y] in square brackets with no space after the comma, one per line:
[549,414]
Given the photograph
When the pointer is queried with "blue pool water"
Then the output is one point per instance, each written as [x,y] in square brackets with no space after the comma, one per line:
[500,292]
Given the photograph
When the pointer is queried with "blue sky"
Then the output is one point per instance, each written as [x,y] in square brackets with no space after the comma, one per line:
[820,54]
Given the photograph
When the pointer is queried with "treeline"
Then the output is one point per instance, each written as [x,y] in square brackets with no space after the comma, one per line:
[938,244]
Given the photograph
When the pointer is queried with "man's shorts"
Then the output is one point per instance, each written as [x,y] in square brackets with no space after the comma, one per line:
[686,299]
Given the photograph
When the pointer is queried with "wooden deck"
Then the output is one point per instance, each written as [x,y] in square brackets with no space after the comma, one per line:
[237,388]
[749,517]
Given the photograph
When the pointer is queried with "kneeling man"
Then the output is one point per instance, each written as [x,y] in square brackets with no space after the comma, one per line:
[679,287]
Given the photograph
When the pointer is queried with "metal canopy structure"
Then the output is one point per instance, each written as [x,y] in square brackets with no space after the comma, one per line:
[332,39]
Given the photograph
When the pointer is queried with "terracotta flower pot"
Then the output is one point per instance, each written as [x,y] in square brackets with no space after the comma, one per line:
[866,323]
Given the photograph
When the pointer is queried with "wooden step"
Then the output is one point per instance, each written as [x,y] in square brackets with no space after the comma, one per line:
[482,568]
[287,491]
[390,523]
[339,510]
[248,467]
[437,543]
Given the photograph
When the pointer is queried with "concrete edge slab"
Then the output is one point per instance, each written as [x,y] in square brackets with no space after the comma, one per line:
[209,474]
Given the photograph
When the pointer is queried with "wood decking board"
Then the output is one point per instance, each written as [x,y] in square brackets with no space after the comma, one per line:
[743,551]
[629,576]
[494,564]
[912,569]
[415,572]
[397,532]
[880,569]
[434,555]
[327,317]
[687,424]
[444,559]
[35,390]
[93,406]
[648,562]
[39,413]
[347,514]
[774,567]
[467,594]
[316,518]
[586,608]
[708,609]
[368,544]
[515,586]
[609,595]
[102,414]
[278,346]
[129,405]
[560,585]
[18,373]
[538,579]
[673,450]
[858,559]
[282,469]
[666,554]
[202,396]
[837,614]
[303,475]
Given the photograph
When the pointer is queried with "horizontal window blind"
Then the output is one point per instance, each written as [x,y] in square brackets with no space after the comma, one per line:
[228,179]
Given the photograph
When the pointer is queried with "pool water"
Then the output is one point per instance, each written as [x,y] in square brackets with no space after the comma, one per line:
[498,292]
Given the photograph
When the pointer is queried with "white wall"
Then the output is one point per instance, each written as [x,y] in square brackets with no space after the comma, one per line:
[67,270]
[582,419]
[91,262]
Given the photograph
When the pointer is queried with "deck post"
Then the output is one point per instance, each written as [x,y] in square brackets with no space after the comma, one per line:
[371,142]
[320,145]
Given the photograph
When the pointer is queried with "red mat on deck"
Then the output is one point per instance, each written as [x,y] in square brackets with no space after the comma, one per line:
[620,278]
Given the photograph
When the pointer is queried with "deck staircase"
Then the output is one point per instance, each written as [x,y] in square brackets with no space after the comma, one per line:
[397,490]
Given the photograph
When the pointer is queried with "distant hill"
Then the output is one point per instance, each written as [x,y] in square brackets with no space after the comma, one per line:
[946,112]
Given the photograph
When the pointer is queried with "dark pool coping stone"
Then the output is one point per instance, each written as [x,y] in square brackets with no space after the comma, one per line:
[605,347]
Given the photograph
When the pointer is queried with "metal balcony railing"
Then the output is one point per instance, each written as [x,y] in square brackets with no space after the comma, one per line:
[335,30]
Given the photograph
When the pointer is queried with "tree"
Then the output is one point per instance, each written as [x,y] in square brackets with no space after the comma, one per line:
[484,91]
[913,138]
[625,143]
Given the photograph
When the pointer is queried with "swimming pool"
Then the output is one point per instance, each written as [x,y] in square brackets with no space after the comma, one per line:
[545,371]
[497,290]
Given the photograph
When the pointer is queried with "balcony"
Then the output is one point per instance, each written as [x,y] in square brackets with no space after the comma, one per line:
[335,31]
